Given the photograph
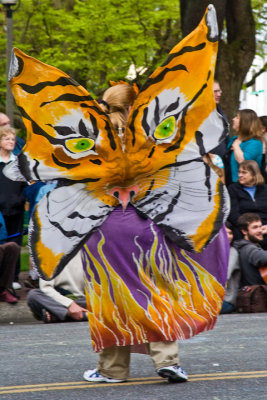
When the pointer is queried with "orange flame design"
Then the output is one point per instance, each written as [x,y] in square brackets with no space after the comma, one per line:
[178,307]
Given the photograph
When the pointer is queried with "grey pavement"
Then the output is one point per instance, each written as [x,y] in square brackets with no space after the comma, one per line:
[17,314]
[20,312]
[45,362]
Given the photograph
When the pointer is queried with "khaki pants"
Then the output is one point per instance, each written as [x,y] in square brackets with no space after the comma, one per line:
[114,361]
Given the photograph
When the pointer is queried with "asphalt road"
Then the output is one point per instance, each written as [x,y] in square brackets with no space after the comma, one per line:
[43,362]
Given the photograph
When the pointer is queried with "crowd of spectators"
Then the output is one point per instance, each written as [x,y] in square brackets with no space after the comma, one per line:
[61,299]
[242,167]
[240,161]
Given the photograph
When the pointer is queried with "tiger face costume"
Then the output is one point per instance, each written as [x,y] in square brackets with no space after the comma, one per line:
[173,122]
[159,172]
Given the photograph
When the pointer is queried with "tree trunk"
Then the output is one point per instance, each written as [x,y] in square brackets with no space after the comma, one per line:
[237,44]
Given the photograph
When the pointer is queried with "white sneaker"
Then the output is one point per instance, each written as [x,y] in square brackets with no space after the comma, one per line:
[92,375]
[174,373]
[16,285]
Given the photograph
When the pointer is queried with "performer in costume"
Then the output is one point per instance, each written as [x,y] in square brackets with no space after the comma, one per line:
[140,205]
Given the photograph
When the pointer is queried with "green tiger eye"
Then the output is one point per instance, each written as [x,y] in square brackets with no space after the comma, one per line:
[165,129]
[79,145]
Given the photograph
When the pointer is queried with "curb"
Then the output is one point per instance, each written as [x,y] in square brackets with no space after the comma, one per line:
[16,314]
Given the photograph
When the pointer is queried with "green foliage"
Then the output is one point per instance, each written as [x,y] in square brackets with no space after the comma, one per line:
[24,261]
[97,41]
[260,12]
[94,41]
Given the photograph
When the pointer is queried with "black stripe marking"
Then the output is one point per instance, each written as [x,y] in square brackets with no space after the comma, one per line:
[34,237]
[222,206]
[94,108]
[75,98]
[63,130]
[145,125]
[131,126]
[94,124]
[39,131]
[151,152]
[161,75]
[64,165]
[96,161]
[199,141]
[182,131]
[151,199]
[68,234]
[35,169]
[207,180]
[24,166]
[170,208]
[150,187]
[178,237]
[173,106]
[82,129]
[180,163]
[110,136]
[134,116]
[186,49]
[156,111]
[24,114]
[62,81]
[68,182]
[75,214]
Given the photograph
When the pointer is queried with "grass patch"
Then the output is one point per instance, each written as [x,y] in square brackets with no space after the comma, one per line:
[24,260]
[24,240]
[24,254]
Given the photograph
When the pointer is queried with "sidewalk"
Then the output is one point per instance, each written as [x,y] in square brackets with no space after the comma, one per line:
[20,312]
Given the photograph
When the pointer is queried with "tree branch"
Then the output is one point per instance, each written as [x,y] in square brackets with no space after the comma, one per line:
[253,79]
[27,24]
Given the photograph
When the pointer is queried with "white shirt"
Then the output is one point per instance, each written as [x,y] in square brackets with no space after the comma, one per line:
[71,279]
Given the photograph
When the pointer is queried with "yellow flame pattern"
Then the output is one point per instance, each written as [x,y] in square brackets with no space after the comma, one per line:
[184,298]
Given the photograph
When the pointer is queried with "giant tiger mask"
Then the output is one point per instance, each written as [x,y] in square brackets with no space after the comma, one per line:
[160,170]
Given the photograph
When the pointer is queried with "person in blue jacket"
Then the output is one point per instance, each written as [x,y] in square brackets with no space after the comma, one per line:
[247,144]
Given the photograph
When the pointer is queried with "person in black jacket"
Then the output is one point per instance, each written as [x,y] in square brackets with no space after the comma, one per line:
[11,194]
[248,195]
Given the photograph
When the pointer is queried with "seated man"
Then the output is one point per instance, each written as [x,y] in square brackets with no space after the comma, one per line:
[9,254]
[252,256]
[61,299]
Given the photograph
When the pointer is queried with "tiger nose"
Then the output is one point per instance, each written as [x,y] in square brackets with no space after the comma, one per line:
[124,194]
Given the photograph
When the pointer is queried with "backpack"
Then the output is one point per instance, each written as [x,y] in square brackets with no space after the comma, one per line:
[252,299]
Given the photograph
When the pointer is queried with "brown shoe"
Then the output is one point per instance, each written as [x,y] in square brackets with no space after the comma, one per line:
[6,296]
